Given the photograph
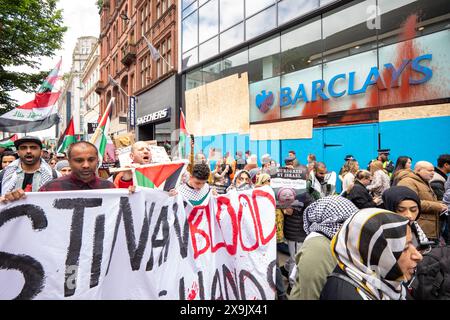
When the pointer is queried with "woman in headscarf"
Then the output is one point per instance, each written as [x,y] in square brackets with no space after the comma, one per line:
[405,202]
[241,181]
[375,256]
[321,220]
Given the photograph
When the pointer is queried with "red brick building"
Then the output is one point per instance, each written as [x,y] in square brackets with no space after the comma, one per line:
[125,56]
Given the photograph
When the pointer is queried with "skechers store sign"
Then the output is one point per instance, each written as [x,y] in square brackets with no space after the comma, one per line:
[157,116]
[343,91]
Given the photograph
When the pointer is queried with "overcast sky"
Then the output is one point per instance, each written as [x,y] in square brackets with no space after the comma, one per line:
[82,19]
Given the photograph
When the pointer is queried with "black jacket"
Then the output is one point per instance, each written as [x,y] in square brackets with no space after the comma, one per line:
[438,185]
[293,224]
[360,196]
[338,289]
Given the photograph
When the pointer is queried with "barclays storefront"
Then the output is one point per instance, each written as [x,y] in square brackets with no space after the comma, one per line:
[324,77]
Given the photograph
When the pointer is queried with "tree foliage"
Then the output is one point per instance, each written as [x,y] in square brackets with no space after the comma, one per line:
[29,29]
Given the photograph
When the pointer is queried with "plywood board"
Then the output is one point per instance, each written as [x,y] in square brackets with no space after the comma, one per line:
[295,129]
[219,107]
[420,112]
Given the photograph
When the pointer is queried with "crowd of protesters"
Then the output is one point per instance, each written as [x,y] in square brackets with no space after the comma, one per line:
[363,243]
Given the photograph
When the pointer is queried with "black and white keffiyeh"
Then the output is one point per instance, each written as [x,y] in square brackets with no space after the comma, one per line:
[326,215]
[13,176]
[195,197]
[368,247]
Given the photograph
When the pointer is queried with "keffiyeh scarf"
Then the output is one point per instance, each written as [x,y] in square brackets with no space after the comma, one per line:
[368,247]
[13,177]
[326,215]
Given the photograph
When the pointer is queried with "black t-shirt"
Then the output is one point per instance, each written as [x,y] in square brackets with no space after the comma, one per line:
[27,181]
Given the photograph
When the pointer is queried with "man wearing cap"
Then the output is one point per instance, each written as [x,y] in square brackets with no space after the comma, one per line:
[388,165]
[83,161]
[30,171]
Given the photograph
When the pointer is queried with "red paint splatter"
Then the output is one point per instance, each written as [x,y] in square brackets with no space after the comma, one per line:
[314,108]
[193,292]
[405,92]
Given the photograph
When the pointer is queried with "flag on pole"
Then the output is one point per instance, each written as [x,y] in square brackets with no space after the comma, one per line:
[8,142]
[163,176]
[49,82]
[101,134]
[153,51]
[67,138]
[39,114]
[183,136]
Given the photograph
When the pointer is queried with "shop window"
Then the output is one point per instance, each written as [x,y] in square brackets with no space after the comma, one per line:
[423,17]
[212,72]
[236,63]
[194,79]
[346,31]
[301,47]
[264,60]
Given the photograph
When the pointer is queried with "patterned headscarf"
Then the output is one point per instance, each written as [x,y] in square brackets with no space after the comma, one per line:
[368,247]
[326,215]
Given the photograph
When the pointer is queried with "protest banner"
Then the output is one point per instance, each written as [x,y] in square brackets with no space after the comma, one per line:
[159,154]
[106,244]
[287,183]
[124,156]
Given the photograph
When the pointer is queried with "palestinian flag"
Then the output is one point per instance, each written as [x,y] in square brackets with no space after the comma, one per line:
[8,142]
[39,114]
[183,136]
[67,138]
[101,135]
[162,176]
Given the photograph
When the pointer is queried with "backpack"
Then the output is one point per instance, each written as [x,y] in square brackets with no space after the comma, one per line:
[433,275]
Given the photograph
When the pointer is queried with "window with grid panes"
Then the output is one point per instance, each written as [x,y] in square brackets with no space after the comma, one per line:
[143,72]
[168,52]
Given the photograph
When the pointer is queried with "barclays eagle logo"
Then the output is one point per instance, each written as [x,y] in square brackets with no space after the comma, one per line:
[264,101]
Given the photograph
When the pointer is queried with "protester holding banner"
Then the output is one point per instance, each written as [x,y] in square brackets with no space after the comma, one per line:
[293,206]
[221,176]
[196,190]
[263,180]
[29,172]
[241,181]
[140,154]
[322,219]
[321,183]
[83,160]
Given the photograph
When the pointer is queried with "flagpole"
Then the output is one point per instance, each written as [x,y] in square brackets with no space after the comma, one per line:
[171,67]
[98,130]
[152,48]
